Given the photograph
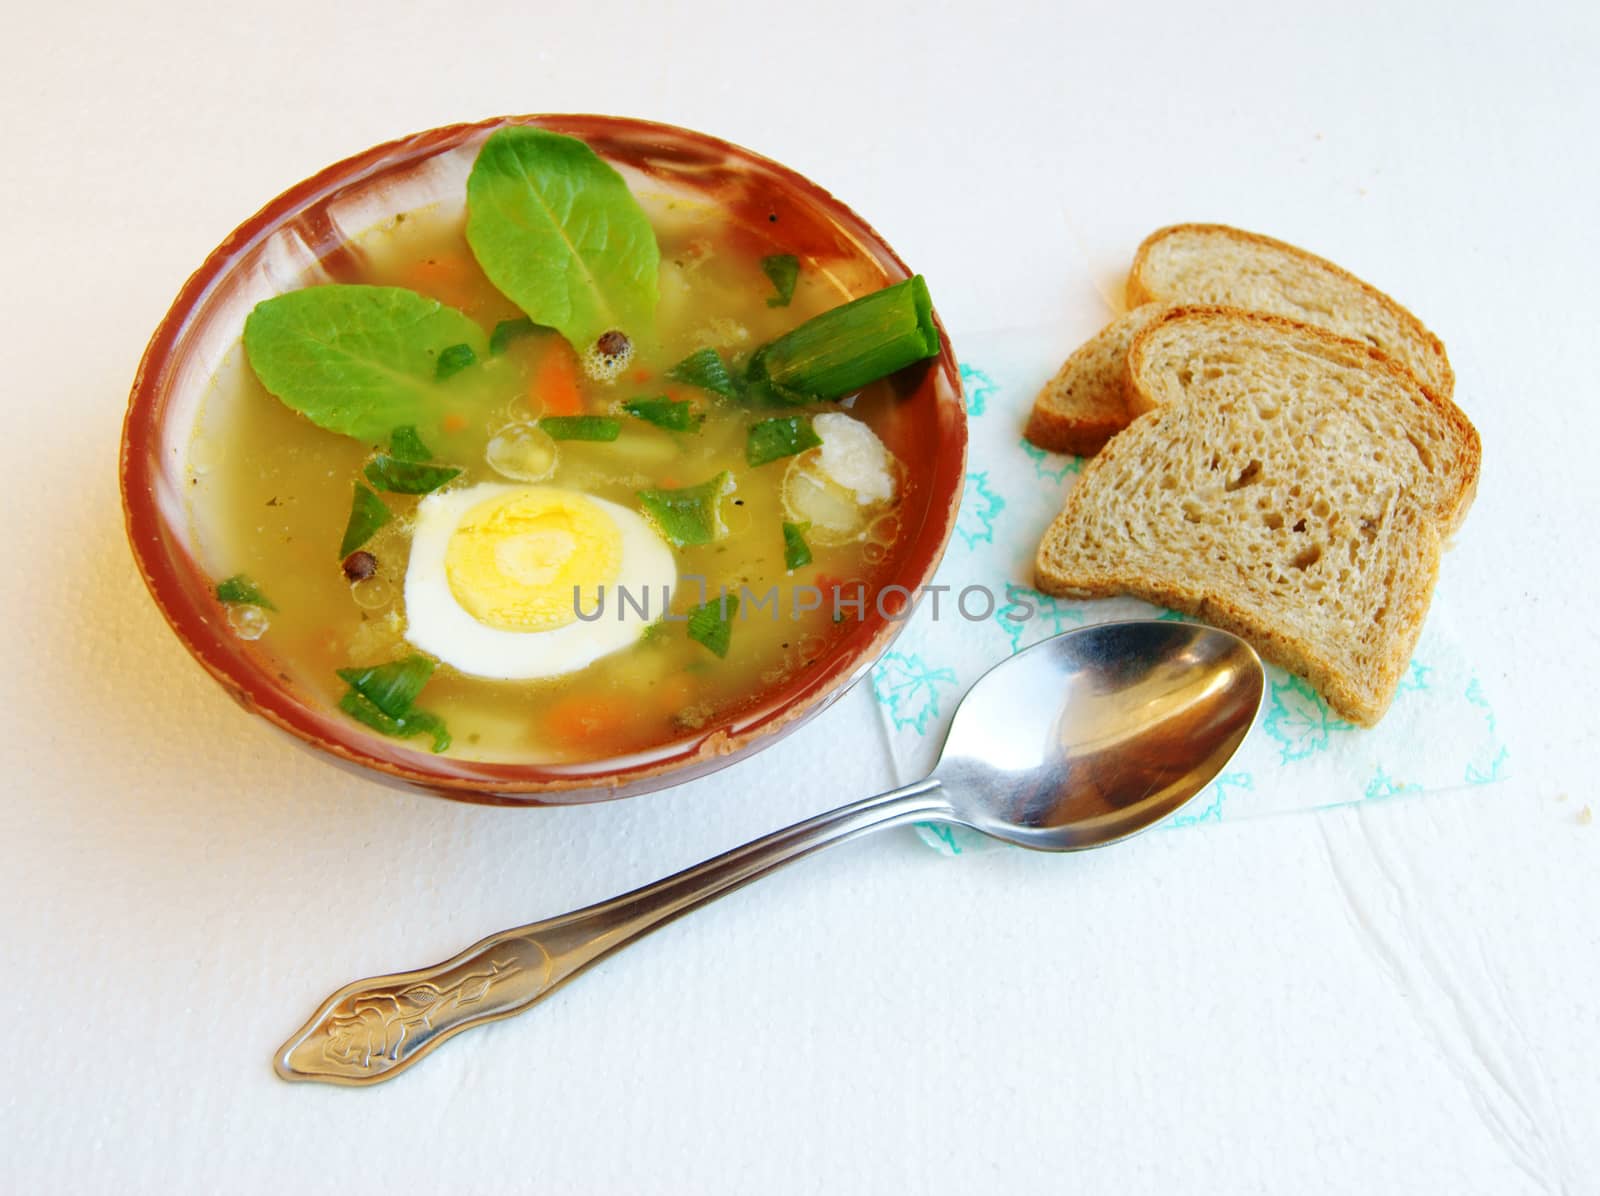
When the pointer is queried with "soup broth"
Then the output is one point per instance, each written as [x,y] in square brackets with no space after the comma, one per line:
[272,494]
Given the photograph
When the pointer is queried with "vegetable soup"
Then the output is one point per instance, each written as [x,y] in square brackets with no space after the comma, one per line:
[562,476]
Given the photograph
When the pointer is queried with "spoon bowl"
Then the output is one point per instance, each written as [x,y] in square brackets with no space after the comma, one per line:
[1092,736]
[1078,741]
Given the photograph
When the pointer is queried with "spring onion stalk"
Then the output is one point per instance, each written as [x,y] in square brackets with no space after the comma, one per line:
[840,351]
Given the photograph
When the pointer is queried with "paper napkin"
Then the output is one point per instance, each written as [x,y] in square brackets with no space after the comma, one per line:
[1440,733]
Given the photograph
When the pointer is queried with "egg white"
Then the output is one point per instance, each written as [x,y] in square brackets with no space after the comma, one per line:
[854,457]
[839,487]
[437,624]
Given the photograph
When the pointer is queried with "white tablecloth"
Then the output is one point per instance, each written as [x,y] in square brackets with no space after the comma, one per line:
[1395,997]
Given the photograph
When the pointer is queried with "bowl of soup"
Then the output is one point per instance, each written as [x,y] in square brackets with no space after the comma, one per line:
[544,459]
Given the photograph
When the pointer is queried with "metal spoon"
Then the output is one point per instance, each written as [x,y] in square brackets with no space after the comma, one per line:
[1076,742]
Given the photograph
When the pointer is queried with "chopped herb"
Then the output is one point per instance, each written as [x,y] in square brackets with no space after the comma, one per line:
[367,515]
[796,552]
[581,427]
[690,514]
[673,415]
[783,269]
[507,331]
[840,351]
[391,687]
[413,722]
[711,623]
[407,477]
[357,360]
[406,445]
[453,359]
[239,590]
[557,231]
[359,566]
[706,369]
[383,698]
[782,437]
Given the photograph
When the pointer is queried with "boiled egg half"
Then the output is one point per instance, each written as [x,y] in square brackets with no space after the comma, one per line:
[499,575]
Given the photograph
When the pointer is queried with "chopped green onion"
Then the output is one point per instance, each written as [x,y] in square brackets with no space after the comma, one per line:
[708,371]
[367,515]
[673,415]
[454,359]
[796,552]
[412,722]
[711,623]
[382,697]
[690,514]
[783,269]
[239,590]
[840,351]
[581,427]
[507,331]
[407,477]
[391,687]
[782,437]
[406,445]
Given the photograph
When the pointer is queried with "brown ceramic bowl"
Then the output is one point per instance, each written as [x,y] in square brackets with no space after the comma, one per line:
[271,252]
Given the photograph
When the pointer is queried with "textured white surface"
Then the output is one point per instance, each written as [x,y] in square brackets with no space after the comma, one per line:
[1398,998]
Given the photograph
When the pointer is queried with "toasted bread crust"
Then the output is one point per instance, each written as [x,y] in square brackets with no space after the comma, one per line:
[1089,399]
[1140,289]
[1057,432]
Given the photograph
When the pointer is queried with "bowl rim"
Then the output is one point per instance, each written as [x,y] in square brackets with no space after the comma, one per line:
[174,577]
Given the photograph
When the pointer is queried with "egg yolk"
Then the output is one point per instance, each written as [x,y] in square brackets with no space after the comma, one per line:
[531,559]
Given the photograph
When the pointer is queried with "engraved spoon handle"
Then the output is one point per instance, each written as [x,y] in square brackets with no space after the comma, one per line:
[375,1028]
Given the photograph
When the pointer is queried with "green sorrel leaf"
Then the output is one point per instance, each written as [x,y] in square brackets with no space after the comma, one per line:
[239,590]
[796,552]
[558,231]
[782,270]
[406,445]
[706,369]
[785,436]
[367,514]
[356,360]
[407,477]
[711,623]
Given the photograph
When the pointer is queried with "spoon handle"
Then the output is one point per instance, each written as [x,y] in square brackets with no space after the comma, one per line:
[373,1029]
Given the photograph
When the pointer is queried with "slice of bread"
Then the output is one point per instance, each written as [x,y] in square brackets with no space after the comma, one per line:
[1289,486]
[1090,399]
[1215,264]
[1212,354]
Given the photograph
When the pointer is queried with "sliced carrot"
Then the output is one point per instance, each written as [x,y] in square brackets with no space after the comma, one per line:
[642,375]
[453,422]
[554,388]
[447,277]
[584,718]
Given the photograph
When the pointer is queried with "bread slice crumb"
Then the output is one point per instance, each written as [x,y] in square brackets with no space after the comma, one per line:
[1281,487]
